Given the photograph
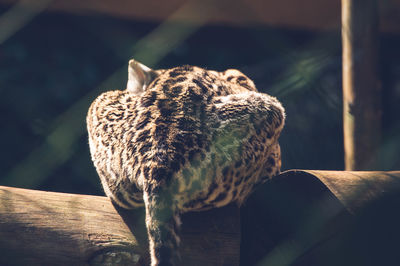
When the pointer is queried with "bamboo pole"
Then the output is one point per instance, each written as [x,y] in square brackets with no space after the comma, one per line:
[361,92]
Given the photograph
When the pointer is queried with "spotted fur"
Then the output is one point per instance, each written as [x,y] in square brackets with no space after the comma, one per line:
[183,139]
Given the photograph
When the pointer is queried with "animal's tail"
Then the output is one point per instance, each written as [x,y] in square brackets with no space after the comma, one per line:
[162,222]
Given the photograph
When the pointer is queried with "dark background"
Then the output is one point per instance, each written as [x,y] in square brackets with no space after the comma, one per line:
[58,62]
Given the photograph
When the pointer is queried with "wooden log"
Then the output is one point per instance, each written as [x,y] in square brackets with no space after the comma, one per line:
[299,218]
[308,217]
[48,228]
[361,89]
[356,189]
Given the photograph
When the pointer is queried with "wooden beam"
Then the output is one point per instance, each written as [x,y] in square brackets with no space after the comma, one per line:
[361,90]
[48,228]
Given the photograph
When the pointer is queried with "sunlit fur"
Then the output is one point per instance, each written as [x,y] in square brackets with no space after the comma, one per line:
[190,140]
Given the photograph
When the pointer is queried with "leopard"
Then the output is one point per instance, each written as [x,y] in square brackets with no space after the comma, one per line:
[183,139]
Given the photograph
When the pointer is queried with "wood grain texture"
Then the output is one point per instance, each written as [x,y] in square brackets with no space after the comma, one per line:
[302,217]
[358,189]
[362,94]
[48,228]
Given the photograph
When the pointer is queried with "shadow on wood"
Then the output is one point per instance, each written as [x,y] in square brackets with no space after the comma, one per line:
[299,218]
[323,218]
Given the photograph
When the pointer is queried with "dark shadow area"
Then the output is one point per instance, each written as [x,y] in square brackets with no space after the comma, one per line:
[58,63]
[296,220]
[371,238]
[135,219]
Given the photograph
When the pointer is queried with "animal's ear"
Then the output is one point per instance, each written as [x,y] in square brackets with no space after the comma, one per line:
[139,76]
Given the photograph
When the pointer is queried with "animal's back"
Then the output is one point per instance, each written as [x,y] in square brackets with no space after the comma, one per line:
[183,139]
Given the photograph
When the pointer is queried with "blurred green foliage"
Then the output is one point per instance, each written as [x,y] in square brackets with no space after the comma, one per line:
[54,66]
